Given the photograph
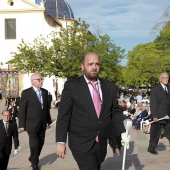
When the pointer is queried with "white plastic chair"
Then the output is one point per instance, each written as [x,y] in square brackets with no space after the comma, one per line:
[143,123]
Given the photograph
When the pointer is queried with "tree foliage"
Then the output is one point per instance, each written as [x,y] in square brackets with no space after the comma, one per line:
[147,61]
[60,54]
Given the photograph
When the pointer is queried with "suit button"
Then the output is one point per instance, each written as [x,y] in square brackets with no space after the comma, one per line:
[97,132]
[98,121]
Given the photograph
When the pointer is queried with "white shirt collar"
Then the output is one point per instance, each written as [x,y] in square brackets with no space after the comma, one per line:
[35,89]
[163,85]
[5,122]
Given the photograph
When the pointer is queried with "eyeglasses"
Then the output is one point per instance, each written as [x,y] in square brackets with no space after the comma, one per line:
[40,80]
[6,115]
[165,77]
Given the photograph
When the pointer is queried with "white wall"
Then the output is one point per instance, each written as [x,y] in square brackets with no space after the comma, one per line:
[30,23]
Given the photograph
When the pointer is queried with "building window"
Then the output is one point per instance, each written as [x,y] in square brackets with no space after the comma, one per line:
[10,28]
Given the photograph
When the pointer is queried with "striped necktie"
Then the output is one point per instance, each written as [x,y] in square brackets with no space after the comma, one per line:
[39,94]
[96,98]
[96,101]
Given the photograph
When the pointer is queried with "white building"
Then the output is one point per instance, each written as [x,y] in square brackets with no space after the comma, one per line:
[27,20]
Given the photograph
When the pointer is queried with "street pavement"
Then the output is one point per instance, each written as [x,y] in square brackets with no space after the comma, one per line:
[137,157]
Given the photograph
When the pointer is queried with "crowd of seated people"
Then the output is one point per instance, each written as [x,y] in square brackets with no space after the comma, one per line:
[137,110]
[141,113]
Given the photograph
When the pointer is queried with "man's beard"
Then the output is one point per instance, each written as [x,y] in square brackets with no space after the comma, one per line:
[92,75]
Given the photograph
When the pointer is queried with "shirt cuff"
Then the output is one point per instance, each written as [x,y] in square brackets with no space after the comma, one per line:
[61,143]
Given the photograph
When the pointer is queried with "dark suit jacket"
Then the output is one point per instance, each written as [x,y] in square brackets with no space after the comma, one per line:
[159,102]
[7,141]
[14,111]
[77,116]
[31,113]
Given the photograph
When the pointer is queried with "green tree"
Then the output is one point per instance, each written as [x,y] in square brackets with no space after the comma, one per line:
[61,54]
[147,61]
[144,65]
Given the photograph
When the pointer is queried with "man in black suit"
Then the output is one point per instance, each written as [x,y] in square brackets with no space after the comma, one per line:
[8,130]
[159,105]
[50,98]
[34,116]
[14,111]
[88,126]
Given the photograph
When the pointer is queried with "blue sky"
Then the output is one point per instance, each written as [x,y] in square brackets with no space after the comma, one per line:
[127,22]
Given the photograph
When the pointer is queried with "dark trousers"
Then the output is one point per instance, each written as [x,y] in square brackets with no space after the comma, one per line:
[155,133]
[36,142]
[4,161]
[92,159]
[167,130]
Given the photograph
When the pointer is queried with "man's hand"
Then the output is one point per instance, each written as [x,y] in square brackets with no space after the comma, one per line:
[48,126]
[21,130]
[61,150]
[155,119]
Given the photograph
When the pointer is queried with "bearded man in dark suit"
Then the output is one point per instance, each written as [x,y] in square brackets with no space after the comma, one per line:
[159,105]
[34,116]
[88,125]
[8,132]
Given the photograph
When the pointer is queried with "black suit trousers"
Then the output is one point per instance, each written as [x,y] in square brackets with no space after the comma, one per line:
[4,160]
[155,133]
[36,142]
[92,159]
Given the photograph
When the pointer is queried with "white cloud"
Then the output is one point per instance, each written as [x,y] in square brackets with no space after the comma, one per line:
[120,18]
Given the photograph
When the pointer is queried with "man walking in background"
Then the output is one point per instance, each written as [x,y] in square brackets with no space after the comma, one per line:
[8,132]
[159,105]
[88,108]
[34,116]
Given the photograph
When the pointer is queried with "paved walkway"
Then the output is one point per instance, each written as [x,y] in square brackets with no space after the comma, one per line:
[137,156]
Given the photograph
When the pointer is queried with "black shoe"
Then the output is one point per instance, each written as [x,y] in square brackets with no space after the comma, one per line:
[153,152]
[35,167]
[29,159]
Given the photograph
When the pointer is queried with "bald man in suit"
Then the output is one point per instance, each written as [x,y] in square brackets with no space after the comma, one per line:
[87,125]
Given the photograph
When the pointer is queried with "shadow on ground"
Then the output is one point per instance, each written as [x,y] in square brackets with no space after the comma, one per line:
[48,160]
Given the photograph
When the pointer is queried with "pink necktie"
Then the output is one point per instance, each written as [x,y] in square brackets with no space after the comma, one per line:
[96,101]
[96,98]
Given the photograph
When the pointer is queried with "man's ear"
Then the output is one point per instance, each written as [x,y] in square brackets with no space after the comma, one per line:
[82,66]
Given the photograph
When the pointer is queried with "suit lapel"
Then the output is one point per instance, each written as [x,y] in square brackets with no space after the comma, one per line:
[163,91]
[34,94]
[87,96]
[2,126]
[105,94]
